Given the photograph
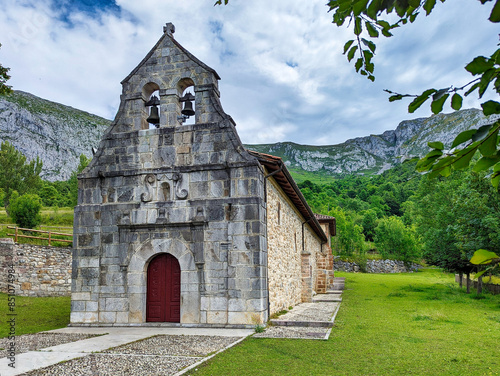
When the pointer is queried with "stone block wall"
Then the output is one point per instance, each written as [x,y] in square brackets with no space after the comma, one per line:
[39,270]
[376,266]
[292,253]
[190,190]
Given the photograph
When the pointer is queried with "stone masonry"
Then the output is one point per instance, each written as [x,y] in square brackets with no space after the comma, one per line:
[190,191]
[38,270]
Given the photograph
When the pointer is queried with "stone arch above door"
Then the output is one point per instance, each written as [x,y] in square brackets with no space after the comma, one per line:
[137,279]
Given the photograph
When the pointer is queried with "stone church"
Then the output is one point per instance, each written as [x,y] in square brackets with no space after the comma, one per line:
[178,222]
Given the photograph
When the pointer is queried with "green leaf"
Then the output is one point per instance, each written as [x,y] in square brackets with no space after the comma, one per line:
[482,132]
[463,137]
[428,6]
[446,171]
[373,9]
[348,45]
[437,105]
[396,97]
[495,12]
[351,53]
[359,6]
[436,145]
[495,179]
[479,65]
[414,3]
[358,27]
[456,101]
[490,107]
[372,31]
[485,163]
[489,146]
[463,158]
[419,101]
[369,44]
[483,256]
[359,64]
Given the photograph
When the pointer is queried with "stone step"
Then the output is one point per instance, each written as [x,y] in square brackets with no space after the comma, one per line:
[337,286]
[327,299]
[339,279]
[335,292]
[317,324]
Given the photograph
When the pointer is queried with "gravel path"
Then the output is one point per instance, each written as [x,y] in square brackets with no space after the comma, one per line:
[32,342]
[158,355]
[320,311]
[293,332]
[117,365]
[175,345]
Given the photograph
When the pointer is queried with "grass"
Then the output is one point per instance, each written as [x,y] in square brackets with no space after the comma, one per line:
[35,314]
[53,219]
[393,324]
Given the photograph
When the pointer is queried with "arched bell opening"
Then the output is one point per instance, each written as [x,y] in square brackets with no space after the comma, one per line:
[151,113]
[185,88]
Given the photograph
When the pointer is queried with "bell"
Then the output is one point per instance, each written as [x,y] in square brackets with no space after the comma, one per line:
[188,108]
[154,117]
[188,99]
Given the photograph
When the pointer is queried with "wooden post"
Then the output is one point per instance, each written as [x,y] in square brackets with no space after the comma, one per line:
[468,282]
[16,234]
[49,237]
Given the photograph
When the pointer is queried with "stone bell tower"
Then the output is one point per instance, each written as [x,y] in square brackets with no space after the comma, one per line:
[170,223]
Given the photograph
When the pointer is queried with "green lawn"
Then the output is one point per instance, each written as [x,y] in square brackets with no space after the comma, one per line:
[35,314]
[395,324]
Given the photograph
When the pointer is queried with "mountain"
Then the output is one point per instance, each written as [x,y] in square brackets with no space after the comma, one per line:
[376,153]
[56,133]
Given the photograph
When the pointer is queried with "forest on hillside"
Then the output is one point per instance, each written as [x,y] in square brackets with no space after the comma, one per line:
[404,215]
[399,214]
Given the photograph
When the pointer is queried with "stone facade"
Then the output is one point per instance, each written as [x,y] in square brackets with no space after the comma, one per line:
[188,190]
[38,270]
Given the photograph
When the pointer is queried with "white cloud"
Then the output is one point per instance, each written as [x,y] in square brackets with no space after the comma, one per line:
[283,75]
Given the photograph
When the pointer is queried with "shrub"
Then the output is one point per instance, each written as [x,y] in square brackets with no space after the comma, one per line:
[25,210]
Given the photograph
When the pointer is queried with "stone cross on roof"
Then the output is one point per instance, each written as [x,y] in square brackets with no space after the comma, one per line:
[169,28]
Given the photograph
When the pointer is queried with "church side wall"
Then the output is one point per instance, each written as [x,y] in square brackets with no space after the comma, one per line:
[292,269]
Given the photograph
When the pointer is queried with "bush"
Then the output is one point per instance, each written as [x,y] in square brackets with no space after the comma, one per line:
[394,240]
[25,210]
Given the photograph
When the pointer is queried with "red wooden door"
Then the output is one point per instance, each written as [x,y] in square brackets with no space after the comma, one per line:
[163,302]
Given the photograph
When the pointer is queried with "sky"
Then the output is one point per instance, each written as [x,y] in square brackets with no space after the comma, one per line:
[283,75]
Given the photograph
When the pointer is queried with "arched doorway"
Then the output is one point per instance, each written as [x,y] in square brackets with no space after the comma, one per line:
[163,289]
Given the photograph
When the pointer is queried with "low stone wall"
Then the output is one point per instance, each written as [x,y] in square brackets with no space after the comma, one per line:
[375,266]
[38,270]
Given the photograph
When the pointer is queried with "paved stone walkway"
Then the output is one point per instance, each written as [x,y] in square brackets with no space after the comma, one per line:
[308,320]
[114,351]
[118,351]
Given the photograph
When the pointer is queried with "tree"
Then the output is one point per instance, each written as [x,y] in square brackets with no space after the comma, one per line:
[371,18]
[4,77]
[73,180]
[16,174]
[394,240]
[25,210]
[366,19]
[349,239]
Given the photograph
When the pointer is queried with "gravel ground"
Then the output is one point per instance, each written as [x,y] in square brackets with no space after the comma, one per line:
[293,332]
[32,342]
[175,345]
[320,311]
[117,365]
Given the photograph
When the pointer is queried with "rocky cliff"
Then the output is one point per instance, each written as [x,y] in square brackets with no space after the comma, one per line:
[376,153]
[56,133]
